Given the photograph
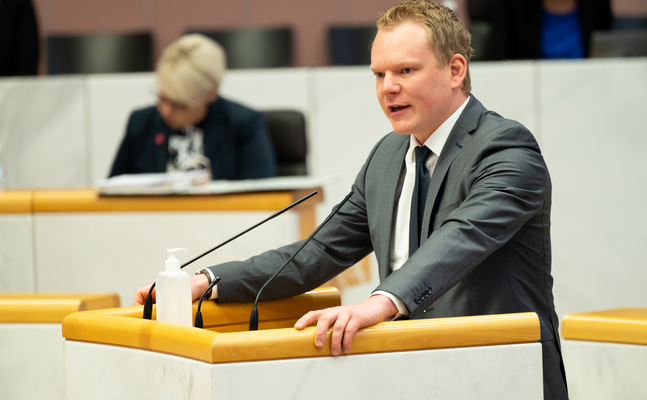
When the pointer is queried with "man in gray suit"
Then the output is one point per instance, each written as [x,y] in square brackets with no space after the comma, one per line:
[484,220]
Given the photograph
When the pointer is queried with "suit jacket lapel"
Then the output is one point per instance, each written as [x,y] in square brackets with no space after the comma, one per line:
[458,138]
[391,188]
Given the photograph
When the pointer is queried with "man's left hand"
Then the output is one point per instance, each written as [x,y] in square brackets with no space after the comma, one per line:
[346,320]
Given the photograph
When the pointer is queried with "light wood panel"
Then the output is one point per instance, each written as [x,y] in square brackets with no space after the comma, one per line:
[51,307]
[620,325]
[88,200]
[16,201]
[124,327]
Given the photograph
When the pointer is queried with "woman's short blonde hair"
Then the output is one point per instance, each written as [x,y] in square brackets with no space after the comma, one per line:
[189,68]
[446,34]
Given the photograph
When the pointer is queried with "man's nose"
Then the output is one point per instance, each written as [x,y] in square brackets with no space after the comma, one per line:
[390,84]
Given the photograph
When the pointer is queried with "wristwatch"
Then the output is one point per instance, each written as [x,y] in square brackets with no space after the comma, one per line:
[207,272]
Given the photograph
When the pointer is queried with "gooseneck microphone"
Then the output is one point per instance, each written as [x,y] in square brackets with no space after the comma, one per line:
[148,304]
[198,315]
[253,318]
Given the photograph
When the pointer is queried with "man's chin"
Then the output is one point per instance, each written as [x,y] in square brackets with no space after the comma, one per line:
[401,130]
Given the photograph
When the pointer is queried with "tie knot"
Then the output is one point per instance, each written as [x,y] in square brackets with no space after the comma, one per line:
[422,152]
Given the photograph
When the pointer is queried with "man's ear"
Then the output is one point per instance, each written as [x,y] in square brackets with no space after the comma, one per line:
[458,69]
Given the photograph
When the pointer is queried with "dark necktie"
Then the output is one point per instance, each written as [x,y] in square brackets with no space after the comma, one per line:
[419,198]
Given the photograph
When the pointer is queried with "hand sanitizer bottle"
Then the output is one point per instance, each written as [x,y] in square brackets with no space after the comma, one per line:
[174,302]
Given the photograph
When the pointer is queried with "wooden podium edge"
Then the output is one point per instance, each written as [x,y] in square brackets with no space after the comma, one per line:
[619,325]
[395,336]
[124,327]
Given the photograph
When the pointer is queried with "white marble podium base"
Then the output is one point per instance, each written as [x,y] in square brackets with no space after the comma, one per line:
[598,370]
[31,361]
[494,372]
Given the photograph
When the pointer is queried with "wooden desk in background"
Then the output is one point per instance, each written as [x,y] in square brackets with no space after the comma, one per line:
[77,241]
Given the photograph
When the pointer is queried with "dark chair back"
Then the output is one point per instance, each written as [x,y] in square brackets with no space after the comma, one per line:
[481,13]
[480,31]
[99,53]
[628,23]
[288,134]
[254,47]
[351,45]
[619,44]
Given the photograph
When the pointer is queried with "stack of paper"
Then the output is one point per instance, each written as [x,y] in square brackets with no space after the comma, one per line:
[160,183]
[196,182]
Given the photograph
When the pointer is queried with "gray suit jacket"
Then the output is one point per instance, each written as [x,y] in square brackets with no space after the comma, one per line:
[486,224]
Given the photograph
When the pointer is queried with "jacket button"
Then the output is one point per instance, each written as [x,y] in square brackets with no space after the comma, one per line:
[428,290]
[418,300]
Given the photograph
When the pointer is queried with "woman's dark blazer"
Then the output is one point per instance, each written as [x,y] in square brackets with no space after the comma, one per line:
[235,140]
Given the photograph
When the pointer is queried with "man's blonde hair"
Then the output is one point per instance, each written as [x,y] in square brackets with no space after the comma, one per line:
[190,67]
[446,34]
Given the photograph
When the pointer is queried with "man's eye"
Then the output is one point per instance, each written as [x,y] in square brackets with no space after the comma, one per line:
[379,75]
[407,70]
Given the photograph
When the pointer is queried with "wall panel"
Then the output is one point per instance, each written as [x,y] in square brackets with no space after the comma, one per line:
[593,117]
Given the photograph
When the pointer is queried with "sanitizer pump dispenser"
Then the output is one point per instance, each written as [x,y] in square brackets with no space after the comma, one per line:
[174,302]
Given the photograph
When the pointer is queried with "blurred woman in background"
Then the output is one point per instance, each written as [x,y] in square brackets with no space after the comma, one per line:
[191,127]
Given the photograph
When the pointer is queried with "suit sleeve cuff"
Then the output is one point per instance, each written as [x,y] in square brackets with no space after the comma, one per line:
[402,309]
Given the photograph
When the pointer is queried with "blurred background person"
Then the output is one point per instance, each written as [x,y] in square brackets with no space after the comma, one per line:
[545,29]
[18,38]
[191,127]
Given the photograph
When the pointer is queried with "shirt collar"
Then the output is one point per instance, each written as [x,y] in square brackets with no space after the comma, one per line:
[437,140]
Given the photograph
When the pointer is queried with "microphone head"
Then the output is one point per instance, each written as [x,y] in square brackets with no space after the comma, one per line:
[148,307]
[253,319]
[198,320]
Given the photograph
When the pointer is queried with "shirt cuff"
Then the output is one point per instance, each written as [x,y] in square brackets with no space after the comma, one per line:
[402,309]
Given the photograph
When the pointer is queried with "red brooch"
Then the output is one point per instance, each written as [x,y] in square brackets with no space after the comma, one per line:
[159,138]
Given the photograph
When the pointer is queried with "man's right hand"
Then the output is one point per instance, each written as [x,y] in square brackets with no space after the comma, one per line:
[199,284]
[140,295]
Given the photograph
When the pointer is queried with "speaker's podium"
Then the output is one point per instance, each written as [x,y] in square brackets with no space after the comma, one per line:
[115,354]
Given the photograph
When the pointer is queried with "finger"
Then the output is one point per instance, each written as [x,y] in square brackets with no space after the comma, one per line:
[338,333]
[140,295]
[310,318]
[137,300]
[325,321]
[349,334]
[307,319]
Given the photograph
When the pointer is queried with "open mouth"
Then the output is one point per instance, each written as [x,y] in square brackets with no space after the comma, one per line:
[397,108]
